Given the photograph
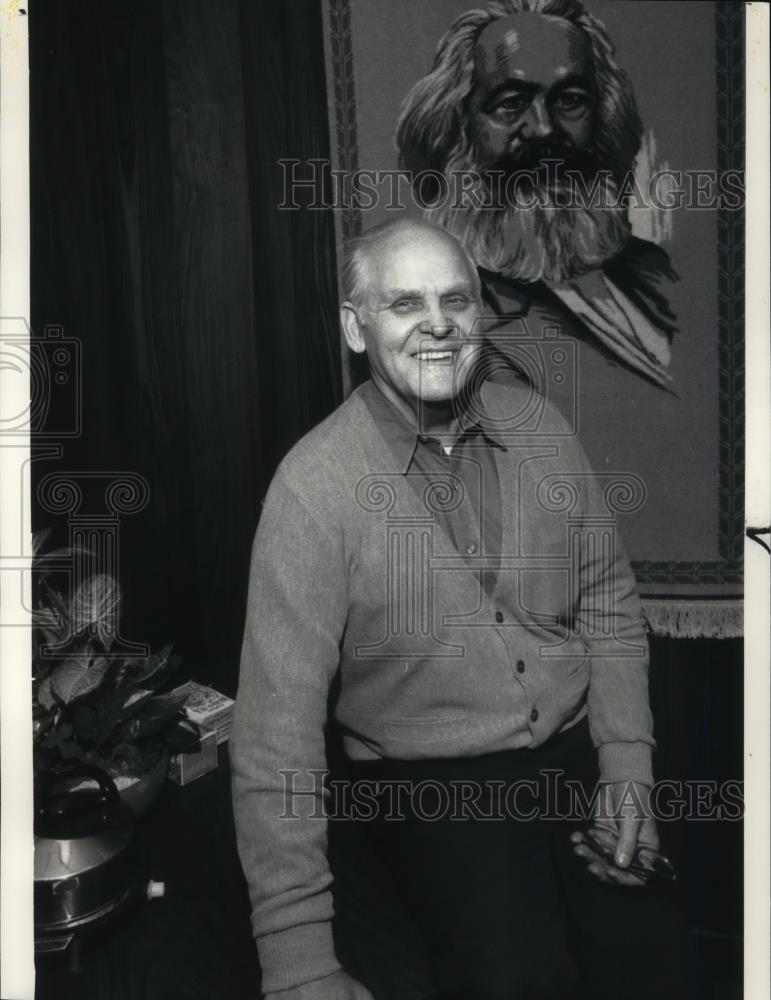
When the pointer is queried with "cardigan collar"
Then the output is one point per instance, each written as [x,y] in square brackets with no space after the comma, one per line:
[402,437]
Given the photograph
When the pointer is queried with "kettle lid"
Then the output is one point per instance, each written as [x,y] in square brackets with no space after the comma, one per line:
[66,813]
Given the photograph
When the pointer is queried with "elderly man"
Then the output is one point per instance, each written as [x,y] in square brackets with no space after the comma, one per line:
[434,570]
[525,100]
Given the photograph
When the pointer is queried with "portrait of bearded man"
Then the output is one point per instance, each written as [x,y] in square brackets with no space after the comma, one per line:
[527,114]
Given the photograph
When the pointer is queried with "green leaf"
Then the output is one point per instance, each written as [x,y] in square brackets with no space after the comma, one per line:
[133,701]
[60,734]
[56,601]
[77,676]
[95,604]
[149,671]
[86,723]
[39,538]
[51,625]
[44,694]
[155,667]
[156,715]
[116,708]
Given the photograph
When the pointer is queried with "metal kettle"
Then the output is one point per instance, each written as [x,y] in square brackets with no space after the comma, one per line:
[88,860]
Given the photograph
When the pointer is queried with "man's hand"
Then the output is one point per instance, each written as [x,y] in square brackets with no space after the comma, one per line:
[622,809]
[338,986]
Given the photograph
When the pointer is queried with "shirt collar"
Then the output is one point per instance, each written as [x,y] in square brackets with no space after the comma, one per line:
[402,436]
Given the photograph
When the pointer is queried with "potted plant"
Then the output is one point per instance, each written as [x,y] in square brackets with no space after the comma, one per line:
[89,702]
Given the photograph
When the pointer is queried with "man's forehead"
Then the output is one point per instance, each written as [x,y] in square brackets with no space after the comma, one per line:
[531,47]
[406,260]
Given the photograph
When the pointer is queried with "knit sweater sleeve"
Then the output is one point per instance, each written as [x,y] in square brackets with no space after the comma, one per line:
[296,612]
[609,621]
[608,616]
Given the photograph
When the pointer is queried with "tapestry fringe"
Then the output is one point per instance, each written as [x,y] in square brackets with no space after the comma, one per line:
[694,619]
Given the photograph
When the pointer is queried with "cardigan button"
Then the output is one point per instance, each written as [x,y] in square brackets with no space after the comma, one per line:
[499,616]
[534,715]
[520,666]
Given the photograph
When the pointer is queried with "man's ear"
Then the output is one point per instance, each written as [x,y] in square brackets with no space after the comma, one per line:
[349,321]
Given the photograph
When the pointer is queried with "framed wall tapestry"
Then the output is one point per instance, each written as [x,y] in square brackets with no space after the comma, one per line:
[648,363]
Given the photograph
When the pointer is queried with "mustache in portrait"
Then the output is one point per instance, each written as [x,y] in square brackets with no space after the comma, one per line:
[557,236]
[541,163]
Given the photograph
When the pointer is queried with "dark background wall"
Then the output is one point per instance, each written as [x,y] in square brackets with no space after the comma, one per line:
[207,320]
[207,317]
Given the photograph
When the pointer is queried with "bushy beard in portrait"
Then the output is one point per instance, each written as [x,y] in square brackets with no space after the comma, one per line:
[550,212]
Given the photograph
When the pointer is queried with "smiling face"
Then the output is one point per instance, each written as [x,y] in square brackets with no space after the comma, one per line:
[533,85]
[416,318]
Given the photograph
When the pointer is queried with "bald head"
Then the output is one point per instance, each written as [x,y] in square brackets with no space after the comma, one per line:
[412,303]
[390,239]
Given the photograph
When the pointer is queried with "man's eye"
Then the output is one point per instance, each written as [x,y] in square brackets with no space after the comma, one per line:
[571,100]
[457,301]
[404,305]
[514,103]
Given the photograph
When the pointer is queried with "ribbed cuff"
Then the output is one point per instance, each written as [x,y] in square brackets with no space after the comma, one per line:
[297,955]
[626,762]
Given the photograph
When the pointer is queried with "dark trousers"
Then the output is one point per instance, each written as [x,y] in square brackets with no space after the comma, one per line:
[473,903]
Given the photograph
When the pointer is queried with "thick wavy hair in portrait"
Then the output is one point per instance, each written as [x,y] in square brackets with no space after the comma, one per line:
[431,131]
[558,237]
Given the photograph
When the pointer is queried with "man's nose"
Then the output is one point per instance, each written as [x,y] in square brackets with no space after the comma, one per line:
[537,122]
[437,324]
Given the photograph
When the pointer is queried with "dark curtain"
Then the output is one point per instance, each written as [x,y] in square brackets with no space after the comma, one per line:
[205,315]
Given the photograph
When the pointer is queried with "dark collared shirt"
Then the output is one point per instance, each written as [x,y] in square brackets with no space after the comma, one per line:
[466,499]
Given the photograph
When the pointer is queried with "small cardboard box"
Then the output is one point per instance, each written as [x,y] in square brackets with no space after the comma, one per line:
[187,765]
[207,708]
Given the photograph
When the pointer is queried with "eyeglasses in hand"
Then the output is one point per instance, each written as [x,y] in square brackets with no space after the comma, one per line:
[646,863]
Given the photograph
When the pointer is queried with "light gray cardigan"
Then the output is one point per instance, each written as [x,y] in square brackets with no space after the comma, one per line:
[351,573]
